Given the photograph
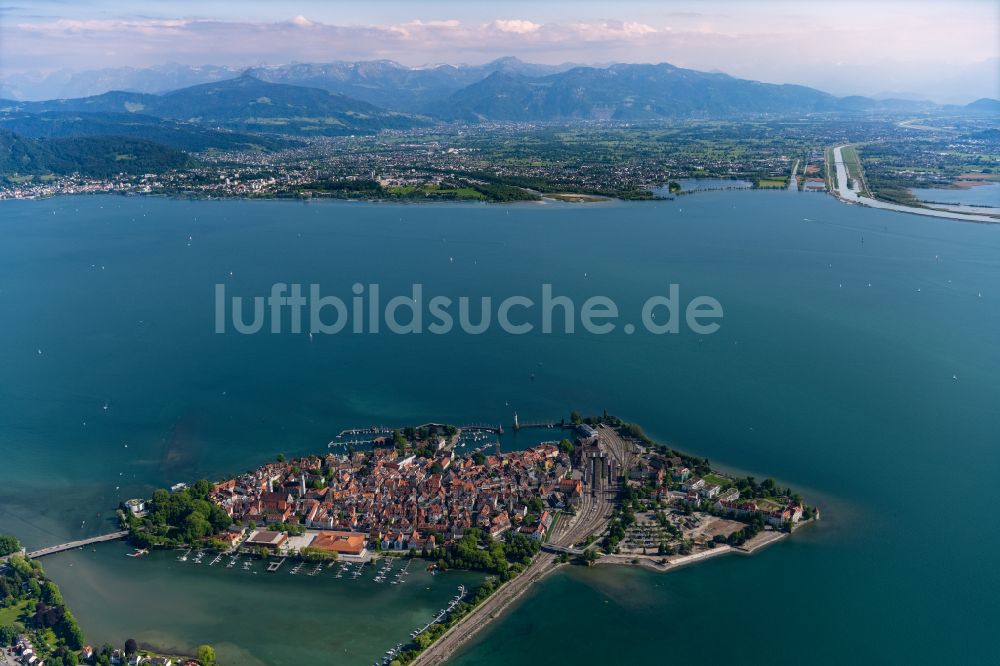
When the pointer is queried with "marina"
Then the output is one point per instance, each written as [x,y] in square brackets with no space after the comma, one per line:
[402,573]
[386,567]
[443,613]
[390,654]
[377,617]
[384,570]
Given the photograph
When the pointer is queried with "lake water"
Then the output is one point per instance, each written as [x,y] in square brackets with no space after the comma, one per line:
[702,184]
[251,617]
[980,195]
[879,402]
[690,185]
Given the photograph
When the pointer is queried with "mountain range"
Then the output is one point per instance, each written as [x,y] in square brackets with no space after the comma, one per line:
[358,97]
[360,79]
[244,103]
[270,108]
[393,86]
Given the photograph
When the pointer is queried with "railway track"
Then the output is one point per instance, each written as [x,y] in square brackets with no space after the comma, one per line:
[591,517]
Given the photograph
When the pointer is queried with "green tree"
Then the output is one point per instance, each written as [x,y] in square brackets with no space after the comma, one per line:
[201,489]
[8,545]
[206,655]
[71,631]
[7,635]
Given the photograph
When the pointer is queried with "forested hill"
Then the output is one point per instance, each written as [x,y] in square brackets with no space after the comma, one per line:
[98,156]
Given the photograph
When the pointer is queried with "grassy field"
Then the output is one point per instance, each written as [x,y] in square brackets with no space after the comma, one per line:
[853,165]
[831,170]
[769,503]
[772,182]
[435,191]
[11,614]
[717,480]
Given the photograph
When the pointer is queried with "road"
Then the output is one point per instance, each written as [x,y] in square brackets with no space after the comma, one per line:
[915,124]
[487,611]
[114,536]
[852,196]
[793,184]
[591,517]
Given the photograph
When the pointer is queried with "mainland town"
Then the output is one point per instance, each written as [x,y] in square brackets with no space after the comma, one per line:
[599,492]
[883,160]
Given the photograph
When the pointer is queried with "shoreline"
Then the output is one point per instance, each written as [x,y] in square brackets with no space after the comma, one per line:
[543,197]
[491,609]
[847,195]
[595,515]
[440,651]
[653,562]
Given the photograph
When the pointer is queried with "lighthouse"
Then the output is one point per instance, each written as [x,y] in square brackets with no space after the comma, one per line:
[517,426]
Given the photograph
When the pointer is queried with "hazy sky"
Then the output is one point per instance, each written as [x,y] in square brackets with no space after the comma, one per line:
[844,46]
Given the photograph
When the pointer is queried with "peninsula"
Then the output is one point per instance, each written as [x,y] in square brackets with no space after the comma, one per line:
[600,493]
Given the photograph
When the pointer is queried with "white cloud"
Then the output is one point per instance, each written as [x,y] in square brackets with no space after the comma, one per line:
[887,46]
[75,26]
[519,26]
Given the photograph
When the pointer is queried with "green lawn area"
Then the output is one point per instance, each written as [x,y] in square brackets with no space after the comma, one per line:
[768,503]
[403,190]
[853,165]
[12,614]
[467,193]
[831,169]
[717,480]
[772,182]
[431,190]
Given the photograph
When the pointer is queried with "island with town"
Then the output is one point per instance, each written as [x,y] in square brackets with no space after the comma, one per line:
[446,497]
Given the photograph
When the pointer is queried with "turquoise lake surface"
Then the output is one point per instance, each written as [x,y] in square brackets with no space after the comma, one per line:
[980,195]
[858,361]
